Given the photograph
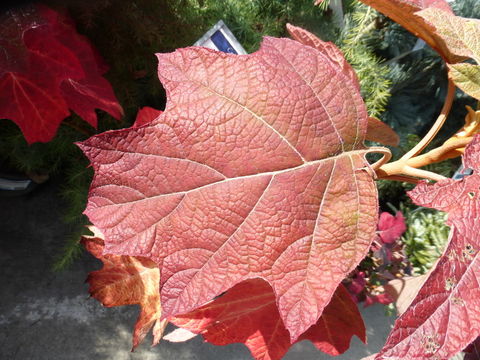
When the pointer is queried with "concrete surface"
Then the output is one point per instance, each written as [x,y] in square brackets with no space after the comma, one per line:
[46,315]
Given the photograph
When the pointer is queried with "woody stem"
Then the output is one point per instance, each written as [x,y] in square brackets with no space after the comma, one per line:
[410,167]
[417,149]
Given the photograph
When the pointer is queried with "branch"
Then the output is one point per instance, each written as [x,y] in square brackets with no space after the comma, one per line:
[446,151]
[423,174]
[410,167]
[417,149]
[401,170]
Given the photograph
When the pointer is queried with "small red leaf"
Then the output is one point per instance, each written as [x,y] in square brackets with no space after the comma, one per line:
[444,318]
[146,115]
[380,132]
[247,313]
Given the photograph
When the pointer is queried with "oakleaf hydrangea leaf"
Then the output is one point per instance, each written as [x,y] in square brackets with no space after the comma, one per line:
[444,317]
[256,169]
[404,13]
[461,35]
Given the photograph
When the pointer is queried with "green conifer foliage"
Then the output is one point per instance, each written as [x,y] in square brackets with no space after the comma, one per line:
[357,45]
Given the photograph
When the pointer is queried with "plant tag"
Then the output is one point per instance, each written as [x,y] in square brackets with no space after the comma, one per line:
[219,37]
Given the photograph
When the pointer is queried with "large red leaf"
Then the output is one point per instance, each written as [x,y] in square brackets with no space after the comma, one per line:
[444,317]
[247,313]
[47,68]
[255,169]
[403,12]
[126,280]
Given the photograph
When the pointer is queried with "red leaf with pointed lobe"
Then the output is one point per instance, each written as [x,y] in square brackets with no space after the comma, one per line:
[247,313]
[444,317]
[403,13]
[85,95]
[390,227]
[146,115]
[47,68]
[255,169]
[126,280]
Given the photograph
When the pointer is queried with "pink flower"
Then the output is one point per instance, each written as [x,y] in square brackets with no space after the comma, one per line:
[390,227]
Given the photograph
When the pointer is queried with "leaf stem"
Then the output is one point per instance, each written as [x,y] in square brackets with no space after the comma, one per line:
[387,155]
[436,126]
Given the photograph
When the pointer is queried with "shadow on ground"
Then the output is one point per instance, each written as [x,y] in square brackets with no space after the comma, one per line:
[47,315]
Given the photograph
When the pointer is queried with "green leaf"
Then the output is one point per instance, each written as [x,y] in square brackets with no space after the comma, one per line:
[461,35]
[467,78]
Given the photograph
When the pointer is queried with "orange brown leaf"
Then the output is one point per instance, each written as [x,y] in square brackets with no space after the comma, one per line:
[126,280]
[404,13]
